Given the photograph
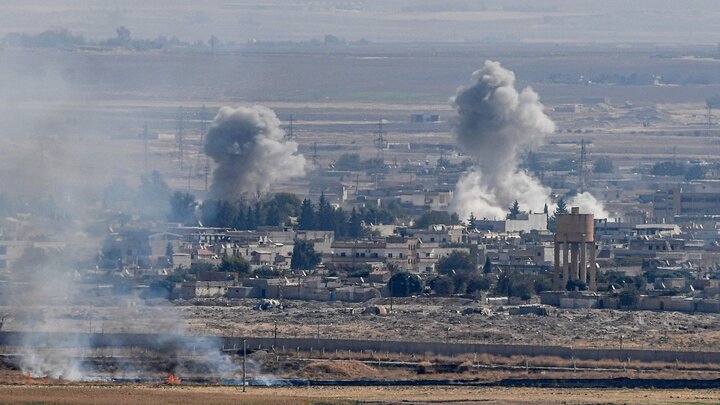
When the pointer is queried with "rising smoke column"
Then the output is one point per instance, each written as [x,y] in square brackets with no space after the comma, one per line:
[494,123]
[247,145]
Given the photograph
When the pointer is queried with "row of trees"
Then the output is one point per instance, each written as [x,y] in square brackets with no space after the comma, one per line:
[62,38]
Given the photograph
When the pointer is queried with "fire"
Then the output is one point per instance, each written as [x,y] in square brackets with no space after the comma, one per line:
[174,380]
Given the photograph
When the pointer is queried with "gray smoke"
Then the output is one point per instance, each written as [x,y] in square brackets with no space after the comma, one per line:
[247,145]
[494,123]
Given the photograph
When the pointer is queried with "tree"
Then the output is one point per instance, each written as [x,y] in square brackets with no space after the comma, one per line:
[442,285]
[213,42]
[153,196]
[561,207]
[202,267]
[355,228]
[514,210]
[629,297]
[514,285]
[457,261]
[472,222]
[307,216]
[304,256]
[404,285]
[435,218]
[234,264]
[603,165]
[182,208]
[349,161]
[325,217]
[475,283]
[487,267]
[169,249]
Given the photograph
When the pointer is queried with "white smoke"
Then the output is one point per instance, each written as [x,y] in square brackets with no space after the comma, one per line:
[588,204]
[248,146]
[494,124]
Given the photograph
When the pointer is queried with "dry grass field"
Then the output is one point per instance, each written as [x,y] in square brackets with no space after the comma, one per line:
[144,394]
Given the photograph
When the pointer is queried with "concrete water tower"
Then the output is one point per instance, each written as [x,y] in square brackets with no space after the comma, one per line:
[575,242]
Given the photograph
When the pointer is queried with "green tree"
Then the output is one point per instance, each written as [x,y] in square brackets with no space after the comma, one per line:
[442,285]
[350,162]
[472,222]
[475,282]
[325,218]
[234,264]
[355,228]
[304,256]
[457,261]
[202,267]
[307,216]
[514,210]
[629,297]
[182,208]
[603,165]
[153,196]
[436,218]
[404,285]
[169,251]
[561,207]
[487,267]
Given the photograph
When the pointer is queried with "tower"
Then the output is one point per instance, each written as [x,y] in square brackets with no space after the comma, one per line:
[145,147]
[290,134]
[380,141]
[180,135]
[575,240]
[582,170]
[314,156]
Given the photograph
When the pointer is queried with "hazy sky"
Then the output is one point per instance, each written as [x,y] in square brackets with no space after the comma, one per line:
[665,21]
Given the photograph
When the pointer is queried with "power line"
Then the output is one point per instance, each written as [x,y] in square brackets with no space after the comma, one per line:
[380,141]
[180,135]
[583,162]
[290,134]
[314,156]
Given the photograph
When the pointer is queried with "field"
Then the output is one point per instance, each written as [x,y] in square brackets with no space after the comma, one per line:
[145,394]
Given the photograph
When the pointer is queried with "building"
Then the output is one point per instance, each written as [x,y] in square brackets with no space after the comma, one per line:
[694,199]
[523,223]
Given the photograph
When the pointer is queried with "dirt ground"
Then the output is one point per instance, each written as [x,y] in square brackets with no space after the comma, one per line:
[142,394]
[414,319]
[427,319]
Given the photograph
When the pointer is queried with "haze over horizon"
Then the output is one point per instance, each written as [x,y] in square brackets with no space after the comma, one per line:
[239,21]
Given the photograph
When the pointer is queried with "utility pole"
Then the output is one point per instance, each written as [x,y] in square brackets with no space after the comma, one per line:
[275,335]
[380,141]
[145,147]
[314,156]
[244,356]
[583,159]
[709,123]
[290,134]
[180,135]
[207,172]
[203,124]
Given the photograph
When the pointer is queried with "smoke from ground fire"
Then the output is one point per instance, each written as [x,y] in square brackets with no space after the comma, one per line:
[247,145]
[494,123]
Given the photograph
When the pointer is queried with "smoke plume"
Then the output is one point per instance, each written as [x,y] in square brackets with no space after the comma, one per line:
[247,145]
[494,123]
